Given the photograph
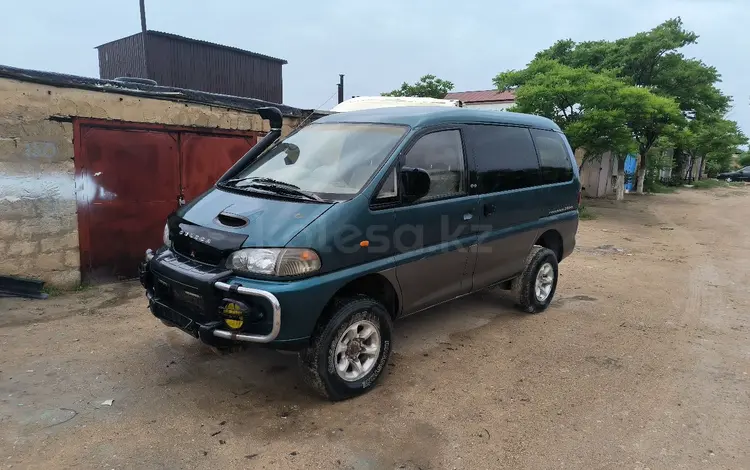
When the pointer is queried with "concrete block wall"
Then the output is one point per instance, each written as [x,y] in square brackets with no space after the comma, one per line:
[38,210]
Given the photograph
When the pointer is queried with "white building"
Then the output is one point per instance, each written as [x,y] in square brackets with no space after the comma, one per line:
[484,99]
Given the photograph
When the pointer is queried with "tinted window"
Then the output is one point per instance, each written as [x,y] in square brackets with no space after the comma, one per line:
[505,158]
[553,157]
[441,155]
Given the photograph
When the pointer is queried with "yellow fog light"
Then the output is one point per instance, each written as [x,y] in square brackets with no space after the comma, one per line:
[234,313]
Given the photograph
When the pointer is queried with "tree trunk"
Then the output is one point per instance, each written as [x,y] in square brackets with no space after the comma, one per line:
[700,168]
[620,179]
[641,174]
[679,163]
[689,173]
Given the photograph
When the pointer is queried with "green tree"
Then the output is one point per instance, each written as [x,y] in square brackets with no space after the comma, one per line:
[583,103]
[744,159]
[595,110]
[649,117]
[429,86]
[651,60]
[712,142]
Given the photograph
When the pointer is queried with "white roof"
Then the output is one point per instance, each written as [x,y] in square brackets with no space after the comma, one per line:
[371,102]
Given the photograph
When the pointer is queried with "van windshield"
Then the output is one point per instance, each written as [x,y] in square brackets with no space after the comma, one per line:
[333,160]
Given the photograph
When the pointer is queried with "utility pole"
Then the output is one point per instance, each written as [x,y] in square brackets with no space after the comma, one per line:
[341,86]
[144,37]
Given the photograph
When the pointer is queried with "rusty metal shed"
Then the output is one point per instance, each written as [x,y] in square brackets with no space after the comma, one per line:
[181,62]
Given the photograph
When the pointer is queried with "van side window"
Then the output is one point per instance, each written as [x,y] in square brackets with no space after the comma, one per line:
[553,156]
[505,158]
[441,155]
[389,189]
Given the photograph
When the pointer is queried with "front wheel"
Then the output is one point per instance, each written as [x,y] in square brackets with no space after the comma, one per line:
[535,287]
[348,354]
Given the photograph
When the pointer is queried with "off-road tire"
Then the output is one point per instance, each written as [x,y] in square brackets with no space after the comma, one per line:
[523,285]
[317,360]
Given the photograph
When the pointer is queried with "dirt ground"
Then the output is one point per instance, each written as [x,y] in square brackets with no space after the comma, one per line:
[641,362]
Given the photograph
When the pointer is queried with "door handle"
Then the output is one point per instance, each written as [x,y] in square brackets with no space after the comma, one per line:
[489,209]
[468,216]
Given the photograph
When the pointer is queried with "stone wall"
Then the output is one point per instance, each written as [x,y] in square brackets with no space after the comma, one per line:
[38,218]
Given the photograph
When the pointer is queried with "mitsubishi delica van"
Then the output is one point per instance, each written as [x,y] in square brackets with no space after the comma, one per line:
[319,241]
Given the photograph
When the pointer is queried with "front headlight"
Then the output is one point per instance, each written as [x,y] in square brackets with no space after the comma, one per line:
[165,237]
[281,262]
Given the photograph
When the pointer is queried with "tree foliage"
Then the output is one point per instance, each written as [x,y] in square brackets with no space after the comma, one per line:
[651,59]
[577,99]
[714,140]
[429,86]
[649,116]
[611,95]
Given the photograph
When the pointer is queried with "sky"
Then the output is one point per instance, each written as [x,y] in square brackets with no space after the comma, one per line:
[377,45]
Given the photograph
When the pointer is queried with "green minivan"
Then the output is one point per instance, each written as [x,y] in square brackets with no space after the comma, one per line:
[319,241]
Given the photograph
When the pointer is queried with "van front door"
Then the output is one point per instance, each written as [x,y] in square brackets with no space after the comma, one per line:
[434,234]
[508,179]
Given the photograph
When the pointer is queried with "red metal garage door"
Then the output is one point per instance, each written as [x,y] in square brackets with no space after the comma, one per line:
[206,157]
[127,184]
[129,180]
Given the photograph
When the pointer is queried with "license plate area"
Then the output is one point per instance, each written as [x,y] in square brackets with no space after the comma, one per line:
[172,316]
[187,300]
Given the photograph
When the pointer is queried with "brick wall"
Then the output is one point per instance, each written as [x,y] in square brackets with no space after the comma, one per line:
[38,218]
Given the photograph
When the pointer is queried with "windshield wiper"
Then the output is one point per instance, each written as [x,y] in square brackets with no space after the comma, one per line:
[261,179]
[285,190]
[275,186]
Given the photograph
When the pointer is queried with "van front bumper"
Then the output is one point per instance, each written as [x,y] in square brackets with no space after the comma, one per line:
[187,295]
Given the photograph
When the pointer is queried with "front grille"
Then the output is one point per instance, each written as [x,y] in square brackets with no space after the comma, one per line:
[197,251]
[190,266]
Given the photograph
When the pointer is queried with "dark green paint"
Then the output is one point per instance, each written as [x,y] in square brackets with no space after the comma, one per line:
[440,269]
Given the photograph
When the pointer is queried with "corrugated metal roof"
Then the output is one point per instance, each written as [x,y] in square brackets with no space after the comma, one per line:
[482,96]
[148,91]
[199,41]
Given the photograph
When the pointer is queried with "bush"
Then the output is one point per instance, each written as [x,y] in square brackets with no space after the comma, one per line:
[710,184]
[713,168]
[658,187]
[657,162]
[585,214]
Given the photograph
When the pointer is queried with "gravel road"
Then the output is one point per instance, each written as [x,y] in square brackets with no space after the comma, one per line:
[641,362]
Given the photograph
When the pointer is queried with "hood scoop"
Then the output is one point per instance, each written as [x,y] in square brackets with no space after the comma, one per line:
[228,219]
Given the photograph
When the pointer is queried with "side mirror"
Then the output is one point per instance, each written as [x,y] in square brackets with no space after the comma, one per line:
[292,153]
[416,183]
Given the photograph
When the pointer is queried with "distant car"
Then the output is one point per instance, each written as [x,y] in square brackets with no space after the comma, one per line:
[743,174]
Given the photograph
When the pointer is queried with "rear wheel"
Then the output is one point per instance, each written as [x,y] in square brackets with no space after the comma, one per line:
[535,287]
[348,354]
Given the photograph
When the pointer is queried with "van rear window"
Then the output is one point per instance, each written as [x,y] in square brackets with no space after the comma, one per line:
[553,157]
[504,157]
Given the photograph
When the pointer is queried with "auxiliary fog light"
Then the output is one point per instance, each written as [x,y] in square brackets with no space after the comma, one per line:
[234,313]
